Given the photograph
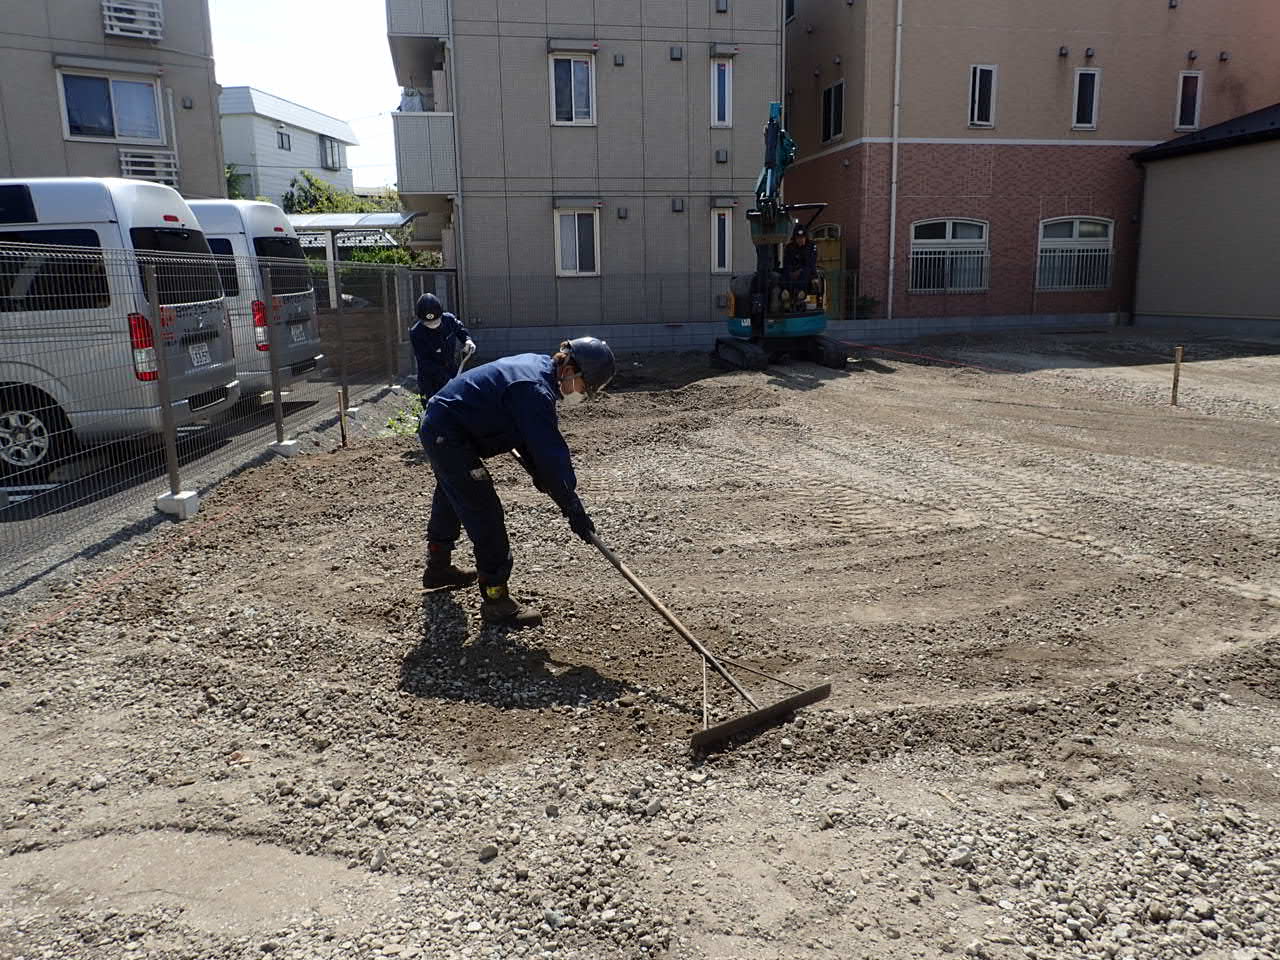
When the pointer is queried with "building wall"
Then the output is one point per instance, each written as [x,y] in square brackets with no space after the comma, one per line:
[31,125]
[653,143]
[1210,236]
[252,144]
[1031,165]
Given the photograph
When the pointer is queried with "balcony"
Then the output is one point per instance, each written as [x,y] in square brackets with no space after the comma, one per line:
[135,19]
[418,18]
[159,166]
[424,153]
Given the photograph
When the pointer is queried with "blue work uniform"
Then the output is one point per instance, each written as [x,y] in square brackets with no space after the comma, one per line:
[437,352]
[492,409]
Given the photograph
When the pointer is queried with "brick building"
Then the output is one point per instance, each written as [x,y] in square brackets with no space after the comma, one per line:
[1005,173]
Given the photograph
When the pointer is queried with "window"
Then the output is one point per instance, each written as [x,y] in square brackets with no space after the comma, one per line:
[103,107]
[949,256]
[283,140]
[722,240]
[833,112]
[573,90]
[577,243]
[226,260]
[330,153]
[1085,116]
[789,8]
[187,274]
[289,273]
[982,96]
[1188,100]
[722,93]
[1075,254]
[34,279]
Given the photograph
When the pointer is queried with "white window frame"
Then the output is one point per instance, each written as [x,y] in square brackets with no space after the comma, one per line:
[1177,103]
[973,94]
[725,214]
[822,111]
[949,246]
[1076,246]
[727,64]
[124,77]
[1097,98]
[590,60]
[559,212]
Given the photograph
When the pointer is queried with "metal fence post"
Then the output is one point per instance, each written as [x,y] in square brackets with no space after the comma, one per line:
[177,502]
[342,334]
[285,448]
[389,325]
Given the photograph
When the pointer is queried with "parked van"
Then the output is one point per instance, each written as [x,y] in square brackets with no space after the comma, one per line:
[78,359]
[247,235]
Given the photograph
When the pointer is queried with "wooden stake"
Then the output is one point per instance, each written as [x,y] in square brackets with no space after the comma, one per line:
[1177,372]
[342,417]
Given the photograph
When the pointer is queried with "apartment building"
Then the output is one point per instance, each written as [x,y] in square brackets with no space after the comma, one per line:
[978,156]
[271,140]
[586,164]
[110,88]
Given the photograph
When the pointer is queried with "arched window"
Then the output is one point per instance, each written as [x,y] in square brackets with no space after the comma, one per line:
[1075,254]
[949,256]
[826,231]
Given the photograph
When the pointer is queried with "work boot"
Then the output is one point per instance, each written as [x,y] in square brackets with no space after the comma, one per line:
[500,609]
[441,574]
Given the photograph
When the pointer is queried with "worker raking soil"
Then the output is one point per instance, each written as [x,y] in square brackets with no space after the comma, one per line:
[507,406]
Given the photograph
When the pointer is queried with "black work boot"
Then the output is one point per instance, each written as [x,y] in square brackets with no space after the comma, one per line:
[499,608]
[441,574]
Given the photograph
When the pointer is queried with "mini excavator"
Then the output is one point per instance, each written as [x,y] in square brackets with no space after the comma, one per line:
[767,323]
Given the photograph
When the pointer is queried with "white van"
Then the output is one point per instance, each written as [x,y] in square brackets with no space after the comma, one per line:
[78,357]
[247,235]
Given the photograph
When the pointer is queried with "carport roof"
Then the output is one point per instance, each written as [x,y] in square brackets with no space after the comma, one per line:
[1256,127]
[321,222]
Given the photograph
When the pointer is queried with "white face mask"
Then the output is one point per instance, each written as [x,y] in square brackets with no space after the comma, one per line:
[573,399]
[432,322]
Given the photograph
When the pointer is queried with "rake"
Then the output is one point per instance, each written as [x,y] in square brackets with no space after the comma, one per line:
[709,737]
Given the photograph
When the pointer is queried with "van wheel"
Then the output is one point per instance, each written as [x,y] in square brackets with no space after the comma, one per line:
[34,433]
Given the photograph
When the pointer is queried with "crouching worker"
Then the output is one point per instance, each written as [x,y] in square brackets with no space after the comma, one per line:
[437,338]
[498,408]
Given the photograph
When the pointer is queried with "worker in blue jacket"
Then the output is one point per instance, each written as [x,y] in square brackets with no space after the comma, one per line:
[437,338]
[497,408]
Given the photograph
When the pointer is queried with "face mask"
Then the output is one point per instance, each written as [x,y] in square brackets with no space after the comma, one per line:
[432,322]
[573,399]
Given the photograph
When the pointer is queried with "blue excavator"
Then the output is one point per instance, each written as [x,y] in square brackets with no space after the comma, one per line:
[770,317]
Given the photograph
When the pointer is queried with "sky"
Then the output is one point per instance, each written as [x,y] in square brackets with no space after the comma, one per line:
[329,55]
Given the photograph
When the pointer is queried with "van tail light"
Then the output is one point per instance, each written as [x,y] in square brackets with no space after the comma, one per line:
[143,341]
[260,333]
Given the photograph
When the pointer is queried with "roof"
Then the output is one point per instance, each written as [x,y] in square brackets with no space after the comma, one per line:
[235,100]
[363,238]
[1256,127]
[303,222]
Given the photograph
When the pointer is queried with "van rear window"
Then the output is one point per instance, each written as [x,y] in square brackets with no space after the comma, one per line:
[289,272]
[221,248]
[49,278]
[16,205]
[188,277]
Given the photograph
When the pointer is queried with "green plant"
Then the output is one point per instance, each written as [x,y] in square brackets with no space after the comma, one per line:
[405,422]
[397,255]
[307,193]
[237,183]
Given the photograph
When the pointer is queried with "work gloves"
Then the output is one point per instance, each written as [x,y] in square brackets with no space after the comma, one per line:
[581,524]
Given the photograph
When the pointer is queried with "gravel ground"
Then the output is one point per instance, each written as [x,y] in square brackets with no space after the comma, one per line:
[1049,604]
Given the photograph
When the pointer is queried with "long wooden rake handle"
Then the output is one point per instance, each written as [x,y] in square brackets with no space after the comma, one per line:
[676,625]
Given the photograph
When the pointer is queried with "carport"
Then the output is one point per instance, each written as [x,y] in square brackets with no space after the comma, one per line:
[356,224]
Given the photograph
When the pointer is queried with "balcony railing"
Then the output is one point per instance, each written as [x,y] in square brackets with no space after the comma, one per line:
[136,19]
[418,18]
[160,166]
[424,152]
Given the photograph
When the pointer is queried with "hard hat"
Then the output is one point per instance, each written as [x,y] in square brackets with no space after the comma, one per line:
[428,307]
[594,360]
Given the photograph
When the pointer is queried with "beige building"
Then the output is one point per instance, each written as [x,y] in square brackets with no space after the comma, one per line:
[1211,229]
[110,88]
[1001,190]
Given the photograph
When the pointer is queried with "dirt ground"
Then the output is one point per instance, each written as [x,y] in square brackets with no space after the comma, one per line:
[1048,601]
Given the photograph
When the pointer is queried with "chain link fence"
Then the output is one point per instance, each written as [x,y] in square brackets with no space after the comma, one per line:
[135,380]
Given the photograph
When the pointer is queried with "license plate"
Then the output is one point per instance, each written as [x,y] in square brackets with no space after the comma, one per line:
[299,332]
[199,354]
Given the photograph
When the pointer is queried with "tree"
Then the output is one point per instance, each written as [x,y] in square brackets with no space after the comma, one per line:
[307,193]
[237,183]
[397,255]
